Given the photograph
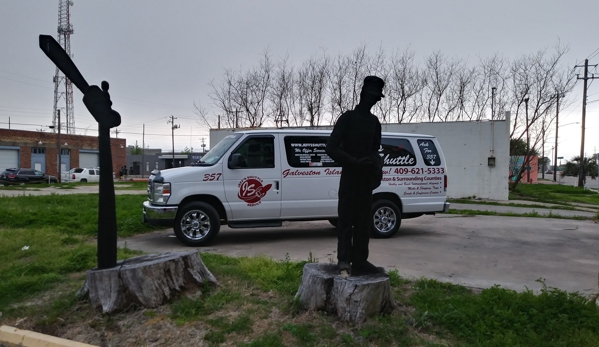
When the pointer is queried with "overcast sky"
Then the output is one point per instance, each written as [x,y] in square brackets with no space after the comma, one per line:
[159,56]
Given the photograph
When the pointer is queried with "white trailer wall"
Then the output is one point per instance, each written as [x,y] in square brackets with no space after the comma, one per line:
[467,147]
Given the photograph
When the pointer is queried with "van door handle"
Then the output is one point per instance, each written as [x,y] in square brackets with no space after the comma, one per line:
[276,185]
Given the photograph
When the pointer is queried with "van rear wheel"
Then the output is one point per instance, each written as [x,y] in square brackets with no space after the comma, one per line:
[386,218]
[196,224]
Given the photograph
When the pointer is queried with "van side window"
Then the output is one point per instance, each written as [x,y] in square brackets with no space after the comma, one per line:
[397,152]
[429,152]
[307,151]
[257,153]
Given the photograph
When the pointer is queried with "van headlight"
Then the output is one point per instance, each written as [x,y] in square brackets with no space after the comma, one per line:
[160,193]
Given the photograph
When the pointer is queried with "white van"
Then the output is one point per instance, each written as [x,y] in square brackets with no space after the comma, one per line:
[260,178]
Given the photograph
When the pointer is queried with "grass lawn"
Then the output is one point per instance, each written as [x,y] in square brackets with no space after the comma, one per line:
[47,243]
[74,185]
[555,194]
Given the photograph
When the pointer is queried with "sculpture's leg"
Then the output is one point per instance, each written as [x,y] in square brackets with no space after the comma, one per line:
[107,233]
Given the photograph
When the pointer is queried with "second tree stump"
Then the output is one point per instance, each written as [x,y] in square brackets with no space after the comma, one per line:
[352,299]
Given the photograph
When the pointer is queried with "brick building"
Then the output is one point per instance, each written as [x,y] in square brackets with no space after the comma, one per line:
[39,150]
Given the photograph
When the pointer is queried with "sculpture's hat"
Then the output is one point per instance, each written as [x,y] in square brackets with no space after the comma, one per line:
[374,85]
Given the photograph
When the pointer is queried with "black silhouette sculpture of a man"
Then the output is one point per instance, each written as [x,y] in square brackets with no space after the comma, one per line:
[354,143]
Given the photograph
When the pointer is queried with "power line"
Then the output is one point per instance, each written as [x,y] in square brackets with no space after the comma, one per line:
[33,78]
[31,84]
[24,108]
[592,55]
[117,98]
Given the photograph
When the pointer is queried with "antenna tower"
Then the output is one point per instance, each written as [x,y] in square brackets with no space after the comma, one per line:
[63,88]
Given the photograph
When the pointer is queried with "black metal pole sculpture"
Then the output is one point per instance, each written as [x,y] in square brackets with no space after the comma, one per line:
[99,105]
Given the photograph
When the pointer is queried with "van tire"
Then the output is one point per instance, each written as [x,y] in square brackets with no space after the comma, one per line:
[386,219]
[193,219]
[83,180]
[334,221]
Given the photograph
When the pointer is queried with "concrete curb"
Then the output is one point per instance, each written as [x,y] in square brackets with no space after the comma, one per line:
[541,210]
[14,337]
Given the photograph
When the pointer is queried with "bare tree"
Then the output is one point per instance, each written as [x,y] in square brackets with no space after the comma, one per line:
[442,89]
[222,97]
[493,74]
[377,65]
[403,85]
[242,97]
[439,74]
[313,77]
[281,92]
[357,71]
[339,87]
[251,91]
[535,79]
[203,114]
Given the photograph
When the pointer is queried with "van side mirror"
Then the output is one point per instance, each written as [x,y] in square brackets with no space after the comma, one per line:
[236,161]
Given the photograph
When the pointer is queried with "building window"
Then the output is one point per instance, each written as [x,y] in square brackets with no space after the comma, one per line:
[156,165]
[38,150]
[147,166]
[65,151]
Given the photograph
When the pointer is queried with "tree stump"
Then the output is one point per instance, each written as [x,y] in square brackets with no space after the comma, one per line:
[147,280]
[352,299]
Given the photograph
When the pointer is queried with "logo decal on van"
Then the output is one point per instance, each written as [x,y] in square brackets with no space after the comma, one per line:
[252,191]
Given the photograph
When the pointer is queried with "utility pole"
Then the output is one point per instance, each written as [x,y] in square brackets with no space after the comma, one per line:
[203,147]
[543,154]
[581,176]
[143,149]
[59,154]
[556,129]
[172,121]
[58,149]
[526,160]
[493,103]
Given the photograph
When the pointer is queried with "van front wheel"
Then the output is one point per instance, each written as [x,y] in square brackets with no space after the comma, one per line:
[386,218]
[196,224]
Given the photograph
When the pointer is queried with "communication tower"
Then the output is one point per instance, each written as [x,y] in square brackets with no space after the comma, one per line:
[63,88]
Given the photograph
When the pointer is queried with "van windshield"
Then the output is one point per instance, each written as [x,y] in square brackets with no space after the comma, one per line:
[214,155]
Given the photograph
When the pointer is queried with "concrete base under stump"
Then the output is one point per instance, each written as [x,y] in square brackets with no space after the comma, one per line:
[353,299]
[148,280]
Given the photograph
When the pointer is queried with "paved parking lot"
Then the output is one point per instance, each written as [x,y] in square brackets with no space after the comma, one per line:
[475,251]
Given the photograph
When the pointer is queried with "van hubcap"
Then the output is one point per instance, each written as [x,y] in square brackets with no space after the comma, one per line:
[195,225]
[384,219]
